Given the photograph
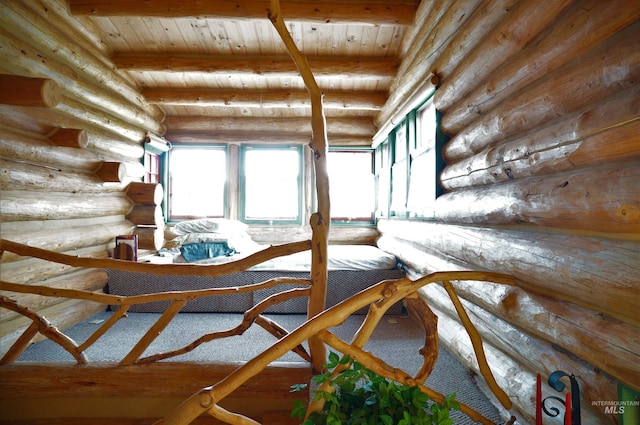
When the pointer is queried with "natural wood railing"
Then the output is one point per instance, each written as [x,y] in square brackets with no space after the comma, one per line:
[378,297]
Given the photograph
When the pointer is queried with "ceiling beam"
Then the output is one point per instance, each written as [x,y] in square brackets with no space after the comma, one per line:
[360,126]
[368,101]
[260,138]
[277,66]
[340,12]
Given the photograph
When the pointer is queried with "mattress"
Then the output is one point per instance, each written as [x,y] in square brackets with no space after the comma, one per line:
[352,268]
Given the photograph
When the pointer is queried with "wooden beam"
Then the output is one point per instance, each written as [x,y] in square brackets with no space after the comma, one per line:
[335,126]
[370,101]
[276,65]
[257,137]
[107,380]
[327,12]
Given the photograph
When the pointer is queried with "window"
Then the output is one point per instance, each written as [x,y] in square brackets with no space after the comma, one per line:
[425,164]
[409,186]
[383,179]
[197,181]
[152,167]
[271,184]
[399,170]
[351,185]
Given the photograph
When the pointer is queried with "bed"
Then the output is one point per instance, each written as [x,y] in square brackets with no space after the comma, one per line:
[351,268]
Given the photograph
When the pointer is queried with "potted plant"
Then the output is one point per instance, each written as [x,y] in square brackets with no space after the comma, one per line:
[362,397]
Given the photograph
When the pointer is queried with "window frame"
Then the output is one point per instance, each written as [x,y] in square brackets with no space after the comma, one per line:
[167,179]
[358,221]
[242,194]
[400,180]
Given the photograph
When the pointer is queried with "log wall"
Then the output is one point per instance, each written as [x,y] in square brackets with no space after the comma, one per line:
[542,108]
[71,132]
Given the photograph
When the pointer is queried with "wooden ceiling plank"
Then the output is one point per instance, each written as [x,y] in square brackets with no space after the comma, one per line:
[345,67]
[328,12]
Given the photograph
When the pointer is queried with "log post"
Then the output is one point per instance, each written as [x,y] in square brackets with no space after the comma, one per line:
[70,138]
[320,220]
[24,91]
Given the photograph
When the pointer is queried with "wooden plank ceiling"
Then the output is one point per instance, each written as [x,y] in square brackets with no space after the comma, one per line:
[219,70]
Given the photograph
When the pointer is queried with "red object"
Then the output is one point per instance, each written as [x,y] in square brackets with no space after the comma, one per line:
[538,400]
[567,412]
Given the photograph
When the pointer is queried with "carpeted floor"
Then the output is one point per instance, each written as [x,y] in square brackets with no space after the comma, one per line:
[396,340]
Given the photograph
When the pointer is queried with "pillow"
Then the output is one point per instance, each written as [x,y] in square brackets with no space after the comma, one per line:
[210,225]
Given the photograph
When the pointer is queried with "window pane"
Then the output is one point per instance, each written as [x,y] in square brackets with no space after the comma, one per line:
[423,172]
[271,184]
[197,181]
[352,185]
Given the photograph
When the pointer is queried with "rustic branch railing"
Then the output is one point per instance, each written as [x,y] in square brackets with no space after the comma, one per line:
[379,297]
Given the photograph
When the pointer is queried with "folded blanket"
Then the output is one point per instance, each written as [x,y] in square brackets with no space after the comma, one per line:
[199,251]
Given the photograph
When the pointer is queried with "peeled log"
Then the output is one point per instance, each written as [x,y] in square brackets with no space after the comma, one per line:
[433,38]
[587,139]
[65,59]
[25,91]
[335,126]
[86,280]
[567,267]
[517,381]
[18,175]
[19,146]
[67,238]
[34,271]
[601,200]
[70,138]
[146,215]
[119,172]
[17,206]
[112,172]
[115,146]
[145,193]
[484,19]
[561,93]
[369,100]
[523,23]
[529,352]
[150,237]
[336,12]
[585,26]
[604,342]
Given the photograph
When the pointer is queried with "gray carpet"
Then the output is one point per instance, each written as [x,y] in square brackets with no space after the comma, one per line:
[396,340]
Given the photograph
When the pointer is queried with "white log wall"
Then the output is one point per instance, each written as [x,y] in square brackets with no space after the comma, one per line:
[71,142]
[542,108]
[51,151]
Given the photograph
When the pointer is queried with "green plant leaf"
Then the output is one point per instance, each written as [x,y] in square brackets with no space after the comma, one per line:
[362,397]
